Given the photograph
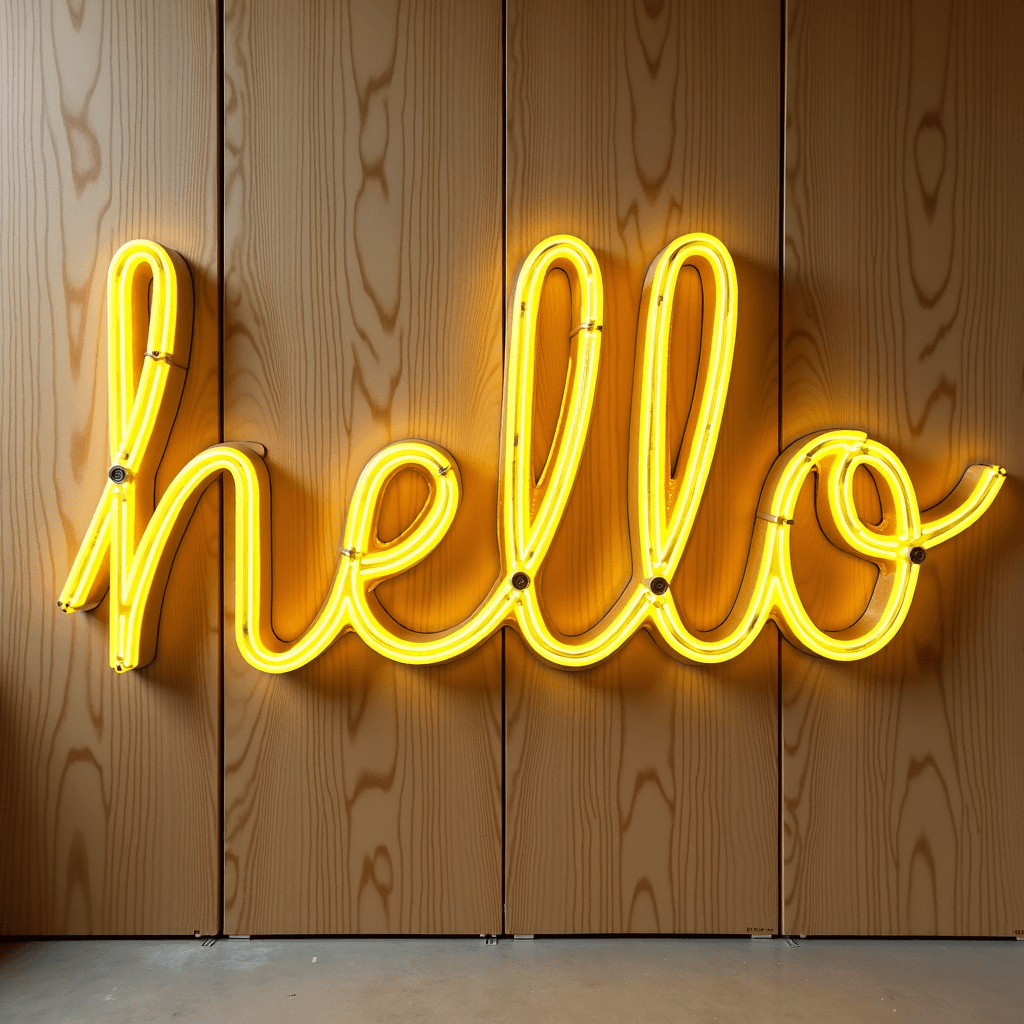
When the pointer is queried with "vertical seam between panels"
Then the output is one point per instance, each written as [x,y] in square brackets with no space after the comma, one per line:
[222,845]
[780,846]
[504,318]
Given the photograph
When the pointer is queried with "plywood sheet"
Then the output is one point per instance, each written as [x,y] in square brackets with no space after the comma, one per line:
[108,784]
[904,793]
[642,794]
[363,305]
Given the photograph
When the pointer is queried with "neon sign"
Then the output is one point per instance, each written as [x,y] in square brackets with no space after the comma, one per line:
[130,544]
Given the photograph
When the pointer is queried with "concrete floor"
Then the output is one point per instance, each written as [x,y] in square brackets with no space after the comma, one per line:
[547,980]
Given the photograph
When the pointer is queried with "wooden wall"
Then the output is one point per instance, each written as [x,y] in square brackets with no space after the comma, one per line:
[642,794]
[376,171]
[108,784]
[363,304]
[904,794]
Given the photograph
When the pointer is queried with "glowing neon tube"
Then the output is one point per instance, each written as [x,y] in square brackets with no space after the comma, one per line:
[130,544]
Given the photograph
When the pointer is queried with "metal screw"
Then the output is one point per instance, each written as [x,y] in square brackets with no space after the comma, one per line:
[659,585]
[918,555]
[520,580]
[118,474]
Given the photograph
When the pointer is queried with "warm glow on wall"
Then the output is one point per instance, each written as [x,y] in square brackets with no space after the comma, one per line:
[129,545]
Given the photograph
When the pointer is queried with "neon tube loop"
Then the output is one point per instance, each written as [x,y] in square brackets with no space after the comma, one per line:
[129,545]
[531,511]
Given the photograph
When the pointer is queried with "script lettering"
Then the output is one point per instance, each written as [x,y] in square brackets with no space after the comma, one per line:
[130,544]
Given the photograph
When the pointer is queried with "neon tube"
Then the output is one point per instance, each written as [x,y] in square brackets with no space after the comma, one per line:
[130,544]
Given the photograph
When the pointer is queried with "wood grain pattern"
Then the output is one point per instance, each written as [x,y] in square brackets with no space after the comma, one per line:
[904,794]
[108,785]
[642,794]
[363,304]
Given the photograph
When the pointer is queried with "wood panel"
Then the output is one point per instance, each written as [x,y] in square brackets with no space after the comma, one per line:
[642,794]
[108,784]
[904,793]
[362,305]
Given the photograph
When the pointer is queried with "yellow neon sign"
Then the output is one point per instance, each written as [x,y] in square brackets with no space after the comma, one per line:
[129,545]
